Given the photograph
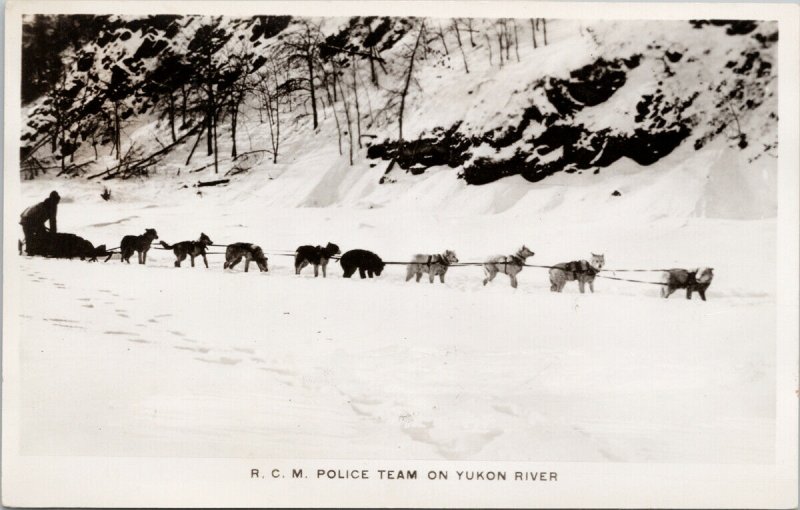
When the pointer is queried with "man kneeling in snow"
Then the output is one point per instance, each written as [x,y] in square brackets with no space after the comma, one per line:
[33,219]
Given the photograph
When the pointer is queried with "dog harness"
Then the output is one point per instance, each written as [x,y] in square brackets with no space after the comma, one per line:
[515,258]
[442,260]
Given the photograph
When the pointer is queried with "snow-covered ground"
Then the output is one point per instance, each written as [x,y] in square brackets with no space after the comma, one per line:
[155,360]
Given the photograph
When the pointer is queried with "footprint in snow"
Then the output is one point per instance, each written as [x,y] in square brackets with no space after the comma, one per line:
[106,224]
[280,371]
[54,319]
[201,350]
[221,361]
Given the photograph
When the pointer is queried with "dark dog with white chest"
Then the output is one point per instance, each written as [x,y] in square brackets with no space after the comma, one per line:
[191,249]
[693,280]
[316,256]
[140,244]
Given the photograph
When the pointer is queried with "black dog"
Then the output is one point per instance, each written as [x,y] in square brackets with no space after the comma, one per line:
[365,261]
[316,256]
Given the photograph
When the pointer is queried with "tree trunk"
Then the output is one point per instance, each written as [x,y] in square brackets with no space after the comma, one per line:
[56,133]
[209,123]
[346,113]
[516,41]
[507,39]
[544,30]
[460,46]
[310,63]
[372,67]
[234,115]
[172,116]
[355,95]
[216,148]
[63,145]
[183,105]
[196,143]
[277,142]
[369,101]
[489,46]
[441,36]
[500,43]
[533,32]
[116,129]
[336,117]
[408,80]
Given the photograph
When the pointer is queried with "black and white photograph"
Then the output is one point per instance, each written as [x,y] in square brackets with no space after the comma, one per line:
[389,249]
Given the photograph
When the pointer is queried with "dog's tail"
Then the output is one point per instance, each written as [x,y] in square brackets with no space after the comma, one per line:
[165,245]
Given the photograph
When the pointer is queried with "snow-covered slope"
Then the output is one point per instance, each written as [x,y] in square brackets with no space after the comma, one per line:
[601,98]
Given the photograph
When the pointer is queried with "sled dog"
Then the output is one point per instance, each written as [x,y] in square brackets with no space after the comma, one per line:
[690,279]
[432,264]
[316,256]
[580,270]
[139,244]
[235,252]
[507,264]
[189,248]
[366,262]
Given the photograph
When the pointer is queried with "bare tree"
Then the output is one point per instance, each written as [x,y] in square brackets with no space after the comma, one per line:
[305,45]
[470,30]
[441,35]
[355,97]
[499,34]
[516,39]
[504,37]
[343,94]
[236,84]
[409,74]
[544,30]
[208,78]
[326,82]
[460,46]
[369,101]
[533,31]
[270,99]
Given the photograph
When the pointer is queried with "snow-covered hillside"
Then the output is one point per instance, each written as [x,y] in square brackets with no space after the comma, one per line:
[653,143]
[606,97]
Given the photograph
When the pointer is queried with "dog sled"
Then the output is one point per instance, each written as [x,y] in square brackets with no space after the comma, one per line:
[63,246]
